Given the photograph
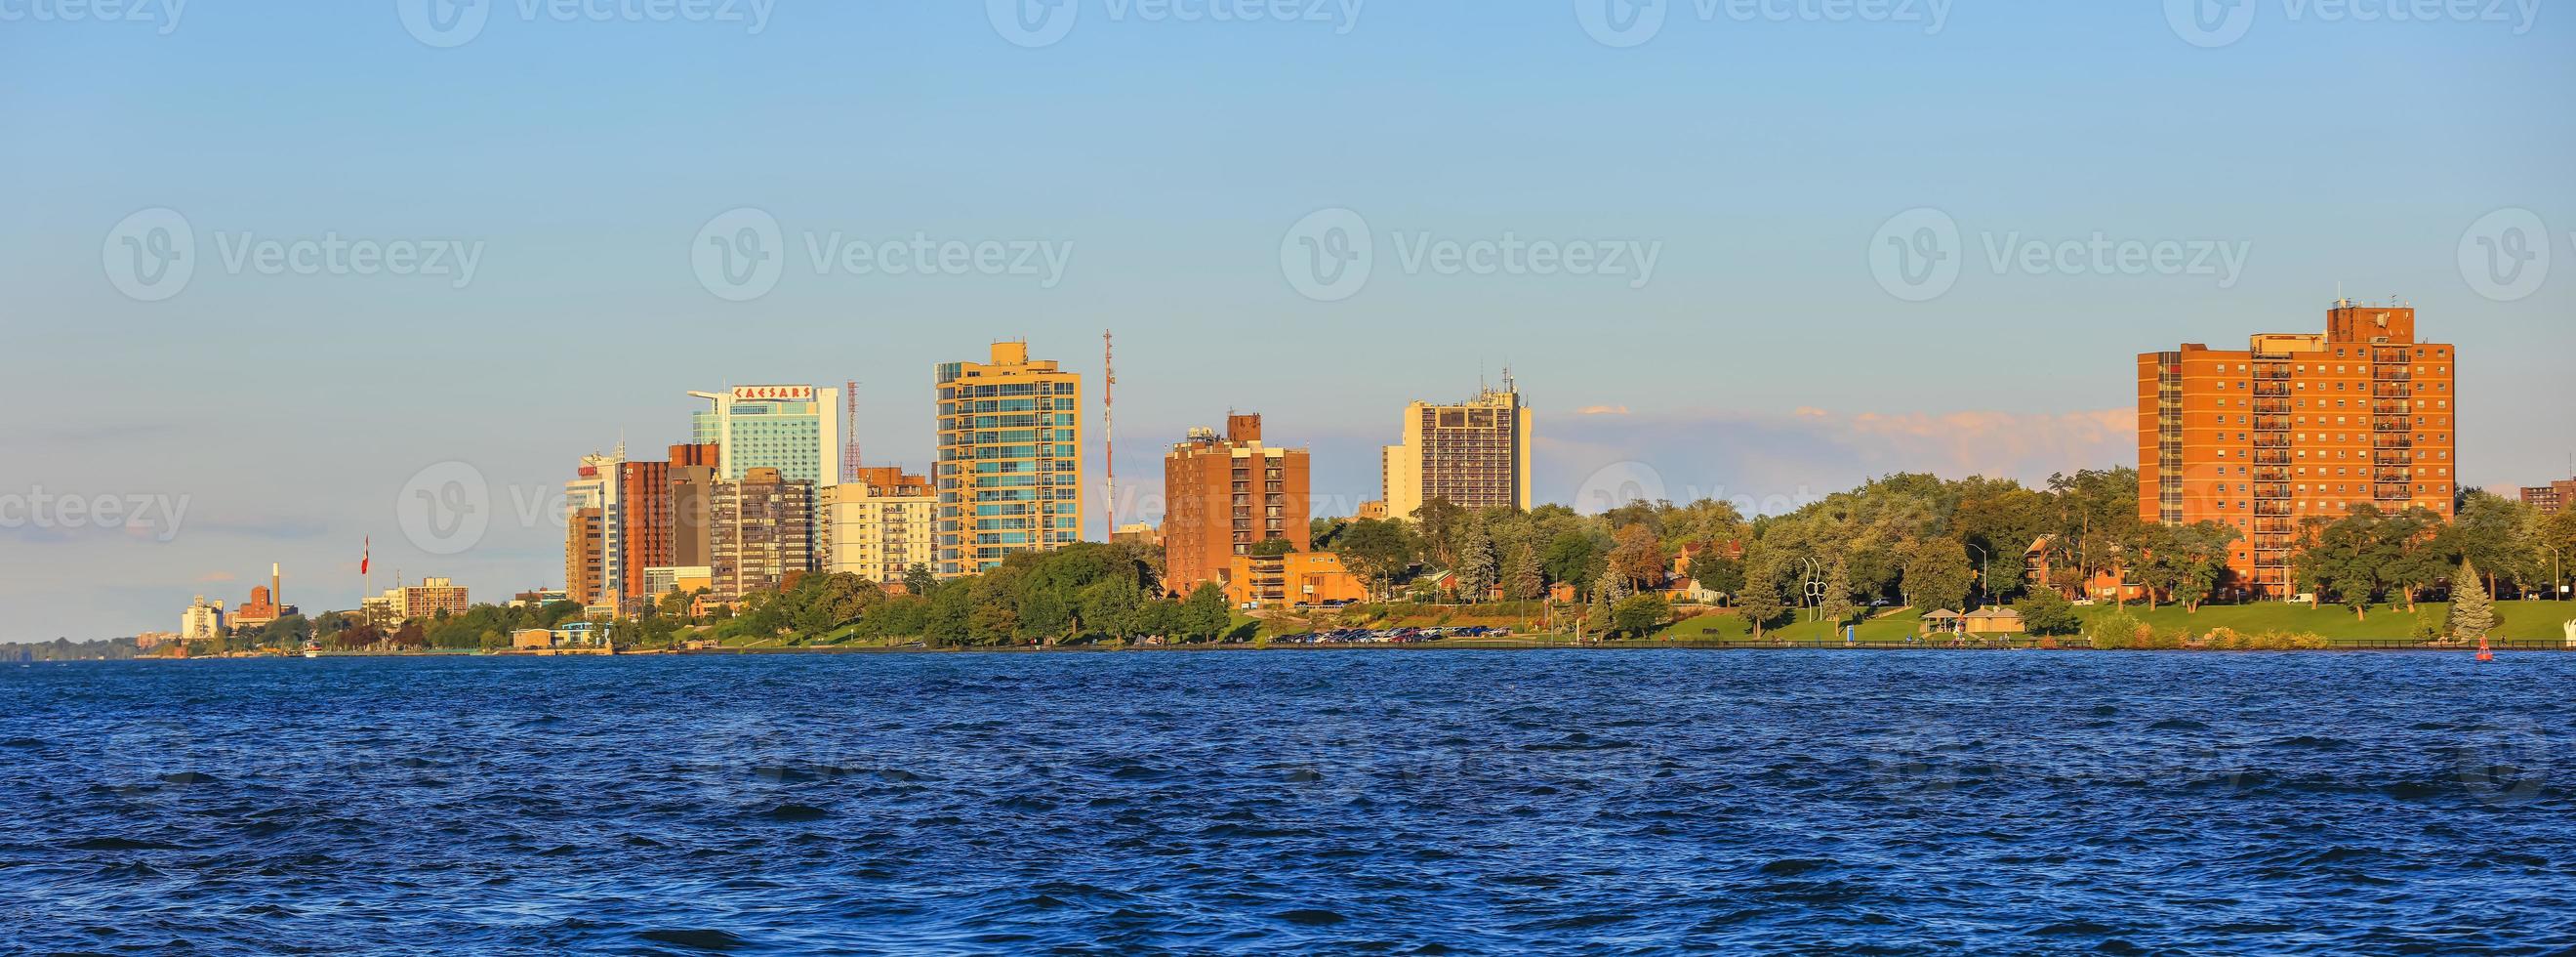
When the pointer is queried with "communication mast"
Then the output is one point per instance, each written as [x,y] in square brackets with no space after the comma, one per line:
[850,427]
[1108,434]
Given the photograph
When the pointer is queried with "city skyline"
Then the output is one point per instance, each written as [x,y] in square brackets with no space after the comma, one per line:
[1741,326]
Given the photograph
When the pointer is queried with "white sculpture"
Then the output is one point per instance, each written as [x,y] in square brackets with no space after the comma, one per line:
[2571,634]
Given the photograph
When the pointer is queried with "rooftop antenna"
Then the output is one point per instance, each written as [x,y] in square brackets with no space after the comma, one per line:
[850,427]
[1108,430]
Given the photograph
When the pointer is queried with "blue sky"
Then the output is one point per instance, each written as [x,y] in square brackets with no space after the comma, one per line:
[1761,152]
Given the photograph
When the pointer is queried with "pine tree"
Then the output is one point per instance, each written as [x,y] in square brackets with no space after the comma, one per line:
[1761,605]
[1475,567]
[1522,581]
[2472,614]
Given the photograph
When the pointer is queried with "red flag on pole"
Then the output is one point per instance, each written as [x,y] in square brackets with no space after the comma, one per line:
[363,551]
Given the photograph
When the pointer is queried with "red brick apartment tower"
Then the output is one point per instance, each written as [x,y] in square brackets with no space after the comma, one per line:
[1222,495]
[2294,426]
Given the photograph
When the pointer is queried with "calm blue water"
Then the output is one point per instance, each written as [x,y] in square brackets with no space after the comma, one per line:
[1375,801]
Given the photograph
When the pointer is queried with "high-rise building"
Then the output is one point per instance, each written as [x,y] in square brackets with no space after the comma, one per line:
[2296,426]
[594,530]
[202,620]
[1010,459]
[879,526]
[1475,454]
[762,533]
[693,477]
[1225,494]
[795,429]
[2550,498]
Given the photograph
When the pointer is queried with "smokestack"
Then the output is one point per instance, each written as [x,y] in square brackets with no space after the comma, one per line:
[276,587]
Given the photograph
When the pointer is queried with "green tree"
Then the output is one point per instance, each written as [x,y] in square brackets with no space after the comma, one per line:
[1639,615]
[1575,556]
[1204,616]
[2473,614]
[1522,580]
[1760,604]
[1477,572]
[2501,536]
[1109,607]
[1937,575]
[2342,558]
[2045,612]
[1378,550]
[918,580]
[950,617]
[1443,526]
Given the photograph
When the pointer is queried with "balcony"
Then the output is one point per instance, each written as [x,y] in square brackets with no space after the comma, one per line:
[2277,526]
[2271,423]
[2389,492]
[2271,473]
[2391,458]
[2271,490]
[2391,407]
[2392,373]
[2271,389]
[2392,390]
[2271,373]
[2271,441]
[2272,457]
[2391,475]
[2391,354]
[2392,442]
[2281,509]
[2271,407]
[2272,543]
[2392,423]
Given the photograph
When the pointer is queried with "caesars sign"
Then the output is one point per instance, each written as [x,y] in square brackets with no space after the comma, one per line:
[773,393]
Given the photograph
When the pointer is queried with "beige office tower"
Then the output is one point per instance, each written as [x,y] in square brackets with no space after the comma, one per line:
[1010,460]
[1476,454]
[879,526]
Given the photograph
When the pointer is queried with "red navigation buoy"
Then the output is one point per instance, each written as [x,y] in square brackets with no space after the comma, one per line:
[2483,653]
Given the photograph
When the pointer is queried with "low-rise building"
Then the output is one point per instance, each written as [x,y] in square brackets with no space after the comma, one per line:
[2550,498]
[1292,579]
[428,599]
